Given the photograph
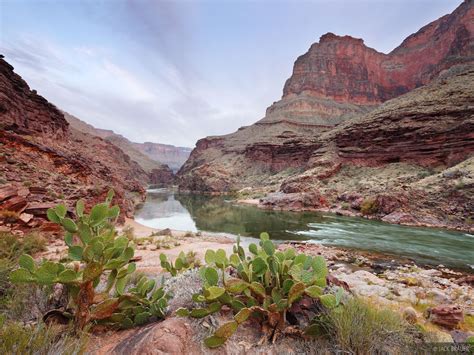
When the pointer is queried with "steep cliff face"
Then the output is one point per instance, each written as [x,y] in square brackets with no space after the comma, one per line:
[409,161]
[23,110]
[43,161]
[338,79]
[345,70]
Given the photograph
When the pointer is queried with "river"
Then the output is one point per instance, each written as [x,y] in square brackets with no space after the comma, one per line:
[190,212]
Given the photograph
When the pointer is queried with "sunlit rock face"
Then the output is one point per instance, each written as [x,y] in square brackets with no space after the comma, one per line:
[337,80]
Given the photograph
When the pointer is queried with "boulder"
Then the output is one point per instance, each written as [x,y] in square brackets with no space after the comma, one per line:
[448,316]
[172,336]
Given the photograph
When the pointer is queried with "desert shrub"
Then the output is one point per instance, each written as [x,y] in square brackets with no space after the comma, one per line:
[264,284]
[18,339]
[182,263]
[96,251]
[129,232]
[166,242]
[369,206]
[13,246]
[12,296]
[363,328]
[188,235]
[9,216]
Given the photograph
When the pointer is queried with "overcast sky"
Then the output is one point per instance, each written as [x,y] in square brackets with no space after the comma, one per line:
[176,71]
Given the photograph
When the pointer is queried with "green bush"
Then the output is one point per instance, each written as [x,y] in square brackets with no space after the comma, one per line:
[11,248]
[264,284]
[18,339]
[369,206]
[363,328]
[96,253]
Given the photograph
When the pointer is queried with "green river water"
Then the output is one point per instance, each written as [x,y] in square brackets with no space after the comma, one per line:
[189,212]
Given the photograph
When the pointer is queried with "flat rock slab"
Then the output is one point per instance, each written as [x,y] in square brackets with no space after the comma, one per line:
[172,336]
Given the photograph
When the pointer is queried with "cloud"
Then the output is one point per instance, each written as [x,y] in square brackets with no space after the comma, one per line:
[176,71]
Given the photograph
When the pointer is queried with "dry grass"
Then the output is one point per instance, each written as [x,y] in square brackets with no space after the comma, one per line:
[361,327]
[18,339]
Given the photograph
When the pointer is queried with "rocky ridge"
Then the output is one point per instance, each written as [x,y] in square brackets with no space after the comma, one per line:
[43,161]
[149,155]
[158,173]
[327,124]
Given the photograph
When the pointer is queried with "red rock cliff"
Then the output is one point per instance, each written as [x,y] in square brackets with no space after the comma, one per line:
[44,161]
[345,70]
[339,79]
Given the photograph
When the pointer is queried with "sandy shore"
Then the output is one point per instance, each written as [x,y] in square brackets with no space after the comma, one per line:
[175,242]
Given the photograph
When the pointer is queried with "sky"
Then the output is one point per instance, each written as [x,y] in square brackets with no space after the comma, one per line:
[177,71]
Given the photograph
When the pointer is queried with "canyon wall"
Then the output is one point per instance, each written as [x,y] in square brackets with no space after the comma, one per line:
[44,161]
[150,156]
[338,79]
[394,130]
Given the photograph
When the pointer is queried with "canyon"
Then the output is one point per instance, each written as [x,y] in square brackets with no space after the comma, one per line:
[356,127]
[149,155]
[45,160]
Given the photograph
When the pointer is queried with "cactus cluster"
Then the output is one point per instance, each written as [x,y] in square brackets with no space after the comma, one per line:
[182,263]
[266,283]
[97,253]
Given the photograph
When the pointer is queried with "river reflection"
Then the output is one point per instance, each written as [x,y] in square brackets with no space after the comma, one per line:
[190,212]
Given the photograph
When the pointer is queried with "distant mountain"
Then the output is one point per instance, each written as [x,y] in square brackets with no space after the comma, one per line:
[167,154]
[149,155]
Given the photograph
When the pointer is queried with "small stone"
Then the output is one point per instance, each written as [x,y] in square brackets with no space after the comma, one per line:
[26,217]
[438,296]
[410,315]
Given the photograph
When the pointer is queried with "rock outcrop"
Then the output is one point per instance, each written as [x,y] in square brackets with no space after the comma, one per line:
[334,116]
[409,161]
[345,70]
[43,161]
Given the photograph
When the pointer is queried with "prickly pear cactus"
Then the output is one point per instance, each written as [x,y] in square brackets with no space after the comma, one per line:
[96,253]
[266,282]
[183,262]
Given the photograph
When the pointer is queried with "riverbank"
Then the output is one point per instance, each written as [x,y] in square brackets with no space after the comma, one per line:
[418,293]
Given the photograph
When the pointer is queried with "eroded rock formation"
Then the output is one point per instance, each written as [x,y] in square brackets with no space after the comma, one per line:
[159,173]
[43,161]
[334,117]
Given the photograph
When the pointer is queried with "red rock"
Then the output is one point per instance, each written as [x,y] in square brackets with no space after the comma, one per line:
[16,204]
[345,70]
[339,79]
[335,281]
[38,190]
[468,280]
[7,191]
[172,336]
[448,316]
[162,177]
[39,209]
